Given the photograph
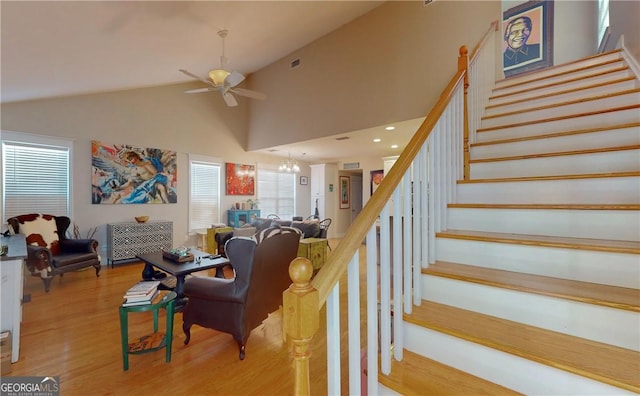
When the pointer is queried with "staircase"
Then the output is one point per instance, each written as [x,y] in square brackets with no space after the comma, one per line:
[536,284]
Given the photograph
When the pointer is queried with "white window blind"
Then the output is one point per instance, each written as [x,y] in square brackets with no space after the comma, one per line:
[277,193]
[204,201]
[36,179]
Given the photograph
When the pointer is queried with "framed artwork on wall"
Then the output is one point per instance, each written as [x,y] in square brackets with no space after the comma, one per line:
[124,174]
[345,191]
[304,180]
[376,179]
[528,37]
[240,179]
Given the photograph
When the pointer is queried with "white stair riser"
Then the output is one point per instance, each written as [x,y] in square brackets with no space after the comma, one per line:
[560,98]
[566,124]
[519,94]
[563,110]
[552,77]
[621,225]
[580,141]
[522,375]
[588,321]
[621,269]
[605,162]
[606,190]
[595,61]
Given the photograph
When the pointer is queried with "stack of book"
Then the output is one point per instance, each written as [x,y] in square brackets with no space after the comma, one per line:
[141,293]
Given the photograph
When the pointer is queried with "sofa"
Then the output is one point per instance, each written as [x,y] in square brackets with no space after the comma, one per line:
[308,229]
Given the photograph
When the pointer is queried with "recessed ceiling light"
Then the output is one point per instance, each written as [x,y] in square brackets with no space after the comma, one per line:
[390,128]
[377,140]
[394,146]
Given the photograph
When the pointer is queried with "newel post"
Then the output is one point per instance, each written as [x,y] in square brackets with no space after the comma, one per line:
[301,320]
[463,65]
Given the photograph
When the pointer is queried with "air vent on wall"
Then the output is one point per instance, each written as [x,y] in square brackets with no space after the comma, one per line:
[342,138]
[295,63]
[351,165]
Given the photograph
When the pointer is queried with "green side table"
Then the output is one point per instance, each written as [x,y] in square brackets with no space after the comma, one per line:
[152,342]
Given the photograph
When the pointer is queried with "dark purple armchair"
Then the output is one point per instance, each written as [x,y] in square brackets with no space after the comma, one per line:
[237,306]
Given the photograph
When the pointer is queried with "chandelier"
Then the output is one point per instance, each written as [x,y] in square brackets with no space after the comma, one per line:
[289,165]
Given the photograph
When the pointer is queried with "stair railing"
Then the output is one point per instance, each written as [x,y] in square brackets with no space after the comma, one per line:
[418,187]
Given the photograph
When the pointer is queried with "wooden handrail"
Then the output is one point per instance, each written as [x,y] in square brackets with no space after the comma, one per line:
[336,263]
[303,301]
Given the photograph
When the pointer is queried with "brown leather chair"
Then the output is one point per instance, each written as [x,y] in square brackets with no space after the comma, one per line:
[237,306]
[49,251]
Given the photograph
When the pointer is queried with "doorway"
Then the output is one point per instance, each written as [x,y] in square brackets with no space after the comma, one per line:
[356,195]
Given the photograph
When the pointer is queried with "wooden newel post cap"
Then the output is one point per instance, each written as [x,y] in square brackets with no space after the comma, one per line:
[300,272]
[301,301]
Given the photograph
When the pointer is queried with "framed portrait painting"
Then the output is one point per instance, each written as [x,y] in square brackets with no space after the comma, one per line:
[376,179]
[345,192]
[527,32]
[240,179]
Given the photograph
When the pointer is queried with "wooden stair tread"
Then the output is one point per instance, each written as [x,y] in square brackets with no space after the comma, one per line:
[554,177]
[558,118]
[603,245]
[523,78]
[605,363]
[546,206]
[590,293]
[562,92]
[418,375]
[556,154]
[560,104]
[557,134]
[563,65]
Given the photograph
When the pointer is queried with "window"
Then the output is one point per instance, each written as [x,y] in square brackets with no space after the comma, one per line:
[204,192]
[276,192]
[603,23]
[36,175]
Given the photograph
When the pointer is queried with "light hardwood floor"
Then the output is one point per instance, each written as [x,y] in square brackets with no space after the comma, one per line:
[73,332]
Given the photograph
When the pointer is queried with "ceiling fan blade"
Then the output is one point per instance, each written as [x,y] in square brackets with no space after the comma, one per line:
[198,90]
[204,80]
[249,93]
[234,78]
[229,99]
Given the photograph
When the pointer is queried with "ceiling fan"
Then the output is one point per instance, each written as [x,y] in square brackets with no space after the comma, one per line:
[224,81]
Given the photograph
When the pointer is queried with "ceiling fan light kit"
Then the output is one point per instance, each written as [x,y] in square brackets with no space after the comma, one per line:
[224,81]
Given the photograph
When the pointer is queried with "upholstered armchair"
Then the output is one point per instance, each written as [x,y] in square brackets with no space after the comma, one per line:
[237,306]
[50,252]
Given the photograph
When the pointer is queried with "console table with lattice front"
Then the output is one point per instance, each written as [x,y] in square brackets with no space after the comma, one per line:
[128,239]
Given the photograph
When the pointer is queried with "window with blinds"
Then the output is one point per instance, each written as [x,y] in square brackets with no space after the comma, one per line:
[36,179]
[277,193]
[603,22]
[204,199]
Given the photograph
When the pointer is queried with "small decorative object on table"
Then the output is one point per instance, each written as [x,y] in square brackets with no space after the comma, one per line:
[180,254]
[142,219]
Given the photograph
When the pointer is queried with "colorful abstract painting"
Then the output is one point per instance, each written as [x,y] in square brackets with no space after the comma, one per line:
[123,174]
[240,179]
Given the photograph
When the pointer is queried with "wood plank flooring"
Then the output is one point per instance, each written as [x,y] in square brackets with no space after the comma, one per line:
[74,332]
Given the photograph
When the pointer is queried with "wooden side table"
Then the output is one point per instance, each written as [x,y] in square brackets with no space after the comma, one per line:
[152,342]
[212,245]
[315,249]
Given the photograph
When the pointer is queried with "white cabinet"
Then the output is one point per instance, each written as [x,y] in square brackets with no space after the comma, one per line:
[126,240]
[12,280]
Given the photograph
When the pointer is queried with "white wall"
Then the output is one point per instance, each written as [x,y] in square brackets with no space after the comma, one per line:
[161,117]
